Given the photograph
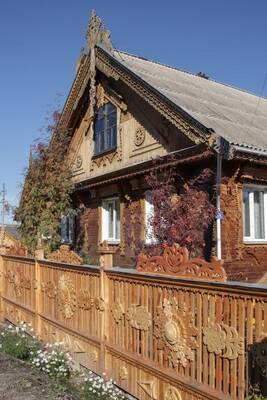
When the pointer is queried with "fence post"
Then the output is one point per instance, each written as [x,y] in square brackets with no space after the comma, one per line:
[1,287]
[106,262]
[39,254]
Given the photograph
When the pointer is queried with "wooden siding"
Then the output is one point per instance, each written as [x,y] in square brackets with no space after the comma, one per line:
[157,336]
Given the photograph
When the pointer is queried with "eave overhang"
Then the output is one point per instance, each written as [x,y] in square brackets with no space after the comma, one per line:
[183,157]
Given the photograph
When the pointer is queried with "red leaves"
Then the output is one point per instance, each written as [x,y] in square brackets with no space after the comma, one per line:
[183,211]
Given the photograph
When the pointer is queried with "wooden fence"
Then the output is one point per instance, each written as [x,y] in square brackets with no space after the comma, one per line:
[158,337]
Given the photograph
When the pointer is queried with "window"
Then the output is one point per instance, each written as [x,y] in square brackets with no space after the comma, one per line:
[111,220]
[67,229]
[105,129]
[149,214]
[254,214]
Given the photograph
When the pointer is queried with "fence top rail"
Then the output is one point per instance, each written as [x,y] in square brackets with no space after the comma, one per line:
[18,258]
[57,264]
[233,287]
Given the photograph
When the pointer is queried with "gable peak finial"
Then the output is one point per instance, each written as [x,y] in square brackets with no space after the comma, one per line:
[97,33]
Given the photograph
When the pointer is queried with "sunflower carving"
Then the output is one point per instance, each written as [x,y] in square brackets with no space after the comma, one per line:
[66,296]
[175,332]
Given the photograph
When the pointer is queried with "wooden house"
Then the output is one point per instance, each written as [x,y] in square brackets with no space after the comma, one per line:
[10,241]
[122,112]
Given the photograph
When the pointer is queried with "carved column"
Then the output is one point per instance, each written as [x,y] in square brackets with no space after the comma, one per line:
[106,253]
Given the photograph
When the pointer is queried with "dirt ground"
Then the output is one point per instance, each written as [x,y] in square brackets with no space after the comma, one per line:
[20,381]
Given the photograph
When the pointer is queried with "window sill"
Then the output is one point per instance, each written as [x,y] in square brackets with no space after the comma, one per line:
[112,242]
[103,153]
[263,241]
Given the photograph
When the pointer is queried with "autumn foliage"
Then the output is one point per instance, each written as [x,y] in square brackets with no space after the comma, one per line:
[47,189]
[183,210]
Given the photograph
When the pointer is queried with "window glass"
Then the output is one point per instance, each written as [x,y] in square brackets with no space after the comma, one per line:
[111,220]
[259,215]
[105,128]
[246,213]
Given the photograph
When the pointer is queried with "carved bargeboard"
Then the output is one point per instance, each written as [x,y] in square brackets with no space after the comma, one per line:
[175,261]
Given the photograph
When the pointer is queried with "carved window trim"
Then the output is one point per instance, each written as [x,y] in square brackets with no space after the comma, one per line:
[251,190]
[106,128]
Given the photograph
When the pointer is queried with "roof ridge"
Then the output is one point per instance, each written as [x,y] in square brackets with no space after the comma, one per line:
[191,73]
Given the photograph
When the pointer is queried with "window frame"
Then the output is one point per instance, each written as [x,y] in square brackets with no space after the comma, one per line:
[105,220]
[68,221]
[252,189]
[104,132]
[150,238]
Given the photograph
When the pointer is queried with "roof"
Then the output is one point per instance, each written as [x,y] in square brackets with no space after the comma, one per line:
[238,116]
[12,230]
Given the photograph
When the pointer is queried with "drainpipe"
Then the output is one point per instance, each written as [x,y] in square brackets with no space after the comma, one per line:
[219,215]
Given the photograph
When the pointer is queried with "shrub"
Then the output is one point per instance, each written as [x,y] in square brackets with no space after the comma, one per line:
[16,341]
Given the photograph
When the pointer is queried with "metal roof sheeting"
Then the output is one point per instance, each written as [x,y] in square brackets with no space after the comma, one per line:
[238,116]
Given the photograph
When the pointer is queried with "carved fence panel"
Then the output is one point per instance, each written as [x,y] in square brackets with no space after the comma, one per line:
[159,337]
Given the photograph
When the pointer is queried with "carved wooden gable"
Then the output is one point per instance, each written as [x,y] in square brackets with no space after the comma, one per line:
[140,136]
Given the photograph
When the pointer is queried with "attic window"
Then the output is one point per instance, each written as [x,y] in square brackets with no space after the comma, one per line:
[105,129]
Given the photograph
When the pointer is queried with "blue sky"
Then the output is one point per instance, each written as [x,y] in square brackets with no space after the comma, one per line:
[40,42]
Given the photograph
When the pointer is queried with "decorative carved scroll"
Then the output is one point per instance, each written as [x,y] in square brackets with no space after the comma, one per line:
[172,393]
[123,374]
[97,34]
[223,340]
[139,317]
[150,388]
[104,160]
[175,261]
[175,332]
[66,296]
[49,288]
[117,311]
[18,281]
[65,255]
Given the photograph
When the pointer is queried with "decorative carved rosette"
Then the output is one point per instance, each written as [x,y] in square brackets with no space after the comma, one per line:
[175,261]
[140,136]
[85,301]
[223,340]
[66,296]
[117,311]
[175,333]
[139,317]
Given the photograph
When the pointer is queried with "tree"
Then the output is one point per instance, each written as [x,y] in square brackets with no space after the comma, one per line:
[183,210]
[47,188]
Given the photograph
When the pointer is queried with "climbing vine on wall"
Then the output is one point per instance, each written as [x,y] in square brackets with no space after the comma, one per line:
[47,188]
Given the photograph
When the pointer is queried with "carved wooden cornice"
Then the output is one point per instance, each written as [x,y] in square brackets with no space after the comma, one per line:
[175,261]
[189,126]
[143,168]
